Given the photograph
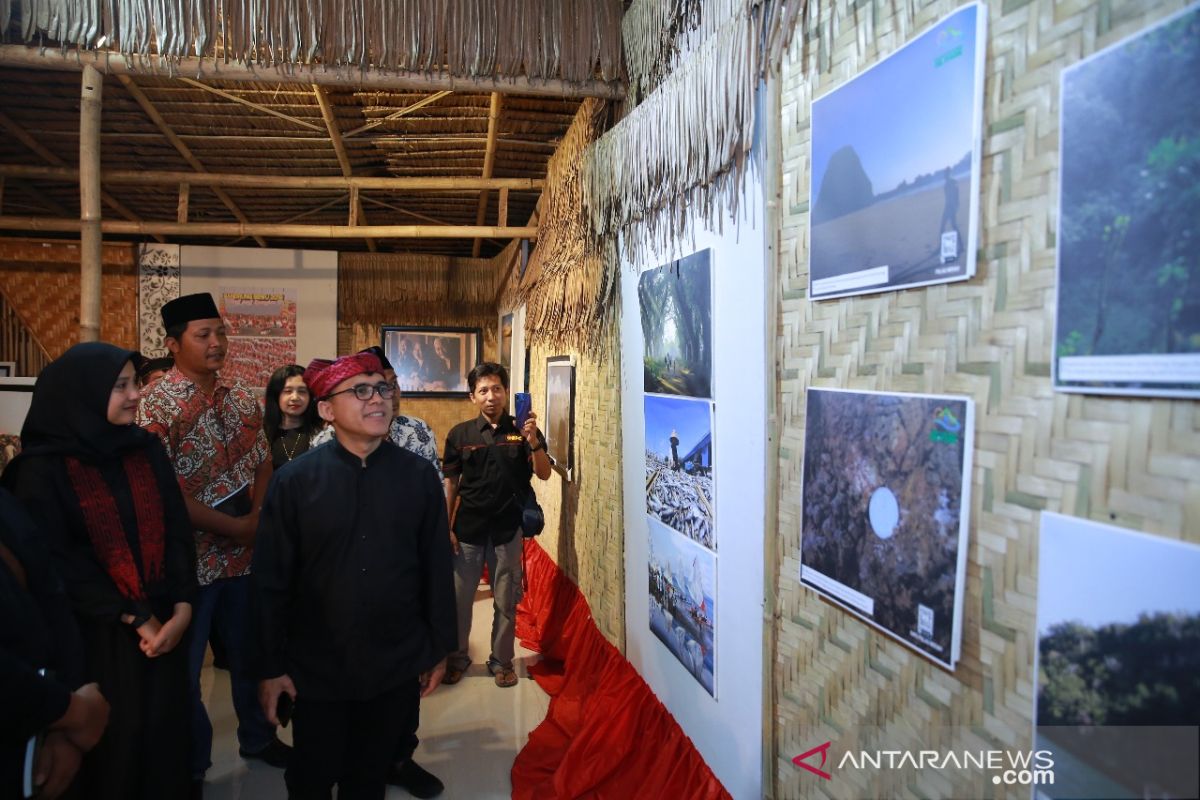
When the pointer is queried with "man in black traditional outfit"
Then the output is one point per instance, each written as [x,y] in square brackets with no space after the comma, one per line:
[354,601]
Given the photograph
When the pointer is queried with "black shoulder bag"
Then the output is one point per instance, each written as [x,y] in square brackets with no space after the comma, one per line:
[533,520]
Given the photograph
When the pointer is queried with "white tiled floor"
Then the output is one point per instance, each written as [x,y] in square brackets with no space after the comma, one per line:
[470,732]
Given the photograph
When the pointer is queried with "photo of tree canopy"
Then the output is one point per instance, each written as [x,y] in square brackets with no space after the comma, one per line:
[1118,619]
[676,303]
[1129,227]
[884,511]
[895,166]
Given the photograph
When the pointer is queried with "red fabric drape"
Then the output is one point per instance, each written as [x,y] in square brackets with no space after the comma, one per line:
[605,734]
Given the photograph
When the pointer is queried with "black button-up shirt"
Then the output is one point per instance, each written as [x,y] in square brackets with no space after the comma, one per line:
[494,464]
[354,590]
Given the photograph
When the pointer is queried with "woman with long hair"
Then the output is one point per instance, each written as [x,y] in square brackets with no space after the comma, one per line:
[289,415]
[104,495]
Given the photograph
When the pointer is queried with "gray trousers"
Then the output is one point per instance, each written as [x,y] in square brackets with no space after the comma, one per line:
[504,571]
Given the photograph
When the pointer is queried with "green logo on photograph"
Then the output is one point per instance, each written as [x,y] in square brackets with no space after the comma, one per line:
[946,427]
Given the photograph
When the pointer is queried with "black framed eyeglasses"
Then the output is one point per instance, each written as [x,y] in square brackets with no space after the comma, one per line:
[365,391]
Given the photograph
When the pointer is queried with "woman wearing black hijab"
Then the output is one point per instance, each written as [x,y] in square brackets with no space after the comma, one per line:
[104,494]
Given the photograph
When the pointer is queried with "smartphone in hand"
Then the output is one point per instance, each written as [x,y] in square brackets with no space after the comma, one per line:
[524,404]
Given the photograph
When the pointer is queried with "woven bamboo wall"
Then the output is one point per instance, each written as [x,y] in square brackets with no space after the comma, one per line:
[393,289]
[1133,463]
[42,281]
[584,520]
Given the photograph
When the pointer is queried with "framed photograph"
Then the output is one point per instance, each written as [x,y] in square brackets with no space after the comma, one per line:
[886,497]
[676,306]
[560,413]
[683,590]
[679,467]
[1117,660]
[432,362]
[895,166]
[1128,296]
[505,338]
[8,369]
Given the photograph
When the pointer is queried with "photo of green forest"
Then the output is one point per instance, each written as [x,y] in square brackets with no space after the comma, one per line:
[1129,223]
[908,563]
[676,303]
[1118,645]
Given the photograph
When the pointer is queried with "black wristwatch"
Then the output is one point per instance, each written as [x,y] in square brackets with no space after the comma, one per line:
[139,620]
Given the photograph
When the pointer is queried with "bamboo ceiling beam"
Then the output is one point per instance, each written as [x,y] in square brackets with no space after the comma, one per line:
[181,148]
[357,215]
[256,106]
[175,177]
[489,162]
[20,134]
[433,98]
[417,215]
[274,229]
[73,59]
[335,201]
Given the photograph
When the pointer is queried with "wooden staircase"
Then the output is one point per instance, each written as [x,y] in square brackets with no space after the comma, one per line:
[18,345]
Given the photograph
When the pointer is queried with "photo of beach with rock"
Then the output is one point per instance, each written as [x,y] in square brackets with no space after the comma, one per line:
[885,505]
[682,601]
[679,466]
[895,167]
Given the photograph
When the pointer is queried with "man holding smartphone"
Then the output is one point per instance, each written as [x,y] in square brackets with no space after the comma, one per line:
[488,463]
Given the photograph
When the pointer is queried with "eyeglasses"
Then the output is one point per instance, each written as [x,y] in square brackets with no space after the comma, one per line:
[365,391]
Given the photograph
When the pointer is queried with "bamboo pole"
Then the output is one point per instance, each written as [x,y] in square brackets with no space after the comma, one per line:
[90,237]
[234,229]
[489,161]
[73,59]
[172,178]
[23,136]
[161,123]
[357,215]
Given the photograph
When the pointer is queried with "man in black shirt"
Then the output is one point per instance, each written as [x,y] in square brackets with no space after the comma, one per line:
[488,465]
[354,602]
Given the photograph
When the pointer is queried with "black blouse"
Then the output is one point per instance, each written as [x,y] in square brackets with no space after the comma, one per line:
[45,489]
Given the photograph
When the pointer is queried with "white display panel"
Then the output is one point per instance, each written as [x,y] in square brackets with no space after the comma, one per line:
[725,722]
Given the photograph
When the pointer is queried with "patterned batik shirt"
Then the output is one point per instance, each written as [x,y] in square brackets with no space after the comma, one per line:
[215,445]
[411,433]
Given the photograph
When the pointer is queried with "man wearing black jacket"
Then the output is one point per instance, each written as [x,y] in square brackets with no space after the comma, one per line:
[38,632]
[354,601]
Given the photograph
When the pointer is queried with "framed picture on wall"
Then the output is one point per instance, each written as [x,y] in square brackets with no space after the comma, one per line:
[1128,296]
[505,338]
[885,505]
[559,424]
[432,362]
[894,195]
[1118,630]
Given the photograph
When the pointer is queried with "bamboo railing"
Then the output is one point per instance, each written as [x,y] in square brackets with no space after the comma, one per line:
[18,344]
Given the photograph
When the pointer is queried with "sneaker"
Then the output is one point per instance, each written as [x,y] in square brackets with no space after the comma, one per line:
[276,754]
[415,780]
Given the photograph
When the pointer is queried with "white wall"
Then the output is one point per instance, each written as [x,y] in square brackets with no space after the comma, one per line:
[312,273]
[727,730]
[15,397]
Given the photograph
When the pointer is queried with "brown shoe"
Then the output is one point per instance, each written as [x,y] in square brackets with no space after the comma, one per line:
[505,676]
[453,675]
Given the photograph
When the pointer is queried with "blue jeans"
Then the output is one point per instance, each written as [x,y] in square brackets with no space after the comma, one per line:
[225,605]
